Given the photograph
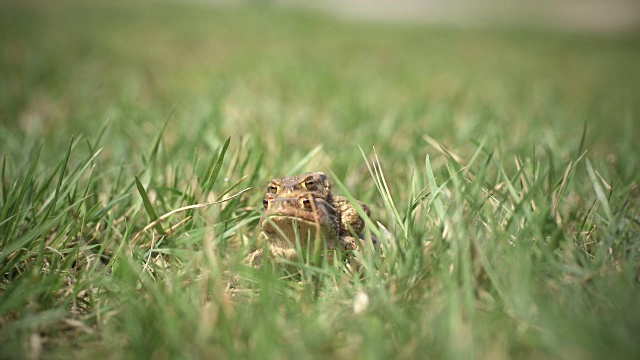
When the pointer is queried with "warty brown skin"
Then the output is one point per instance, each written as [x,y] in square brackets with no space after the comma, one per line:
[301,215]
[300,218]
[319,186]
[305,206]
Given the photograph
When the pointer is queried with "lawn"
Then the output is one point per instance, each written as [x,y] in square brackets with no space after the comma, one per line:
[501,167]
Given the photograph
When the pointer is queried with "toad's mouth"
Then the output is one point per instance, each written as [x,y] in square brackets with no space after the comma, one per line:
[303,221]
[284,229]
[300,215]
[286,223]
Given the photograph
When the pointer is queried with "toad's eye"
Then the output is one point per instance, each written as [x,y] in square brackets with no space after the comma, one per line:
[306,203]
[265,203]
[272,189]
[310,184]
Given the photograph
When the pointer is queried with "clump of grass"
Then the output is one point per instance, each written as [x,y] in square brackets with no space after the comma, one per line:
[507,227]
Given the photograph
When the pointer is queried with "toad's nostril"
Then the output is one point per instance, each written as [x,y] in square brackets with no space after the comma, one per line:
[265,203]
[306,203]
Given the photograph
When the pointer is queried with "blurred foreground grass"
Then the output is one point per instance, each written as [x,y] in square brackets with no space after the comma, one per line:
[518,245]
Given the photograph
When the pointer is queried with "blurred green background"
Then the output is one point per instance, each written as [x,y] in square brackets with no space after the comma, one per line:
[305,79]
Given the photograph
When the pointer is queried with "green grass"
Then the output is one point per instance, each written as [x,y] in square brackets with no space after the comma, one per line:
[501,167]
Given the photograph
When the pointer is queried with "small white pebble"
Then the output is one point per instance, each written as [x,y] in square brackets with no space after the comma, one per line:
[361,302]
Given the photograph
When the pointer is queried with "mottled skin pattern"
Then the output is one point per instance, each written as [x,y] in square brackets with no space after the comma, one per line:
[319,186]
[301,216]
[304,205]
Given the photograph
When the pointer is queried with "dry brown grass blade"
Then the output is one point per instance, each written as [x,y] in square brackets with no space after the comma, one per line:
[441,148]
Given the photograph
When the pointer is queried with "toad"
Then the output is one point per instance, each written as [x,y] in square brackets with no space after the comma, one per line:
[304,207]
[317,184]
[302,217]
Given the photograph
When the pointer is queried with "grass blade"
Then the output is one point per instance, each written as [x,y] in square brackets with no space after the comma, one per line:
[156,143]
[436,192]
[25,186]
[148,207]
[216,170]
[602,197]
[63,169]
[27,238]
[3,178]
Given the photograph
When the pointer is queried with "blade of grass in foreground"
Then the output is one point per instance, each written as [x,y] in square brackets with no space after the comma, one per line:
[436,192]
[148,207]
[602,197]
[63,169]
[216,170]
[375,170]
[3,179]
[156,143]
